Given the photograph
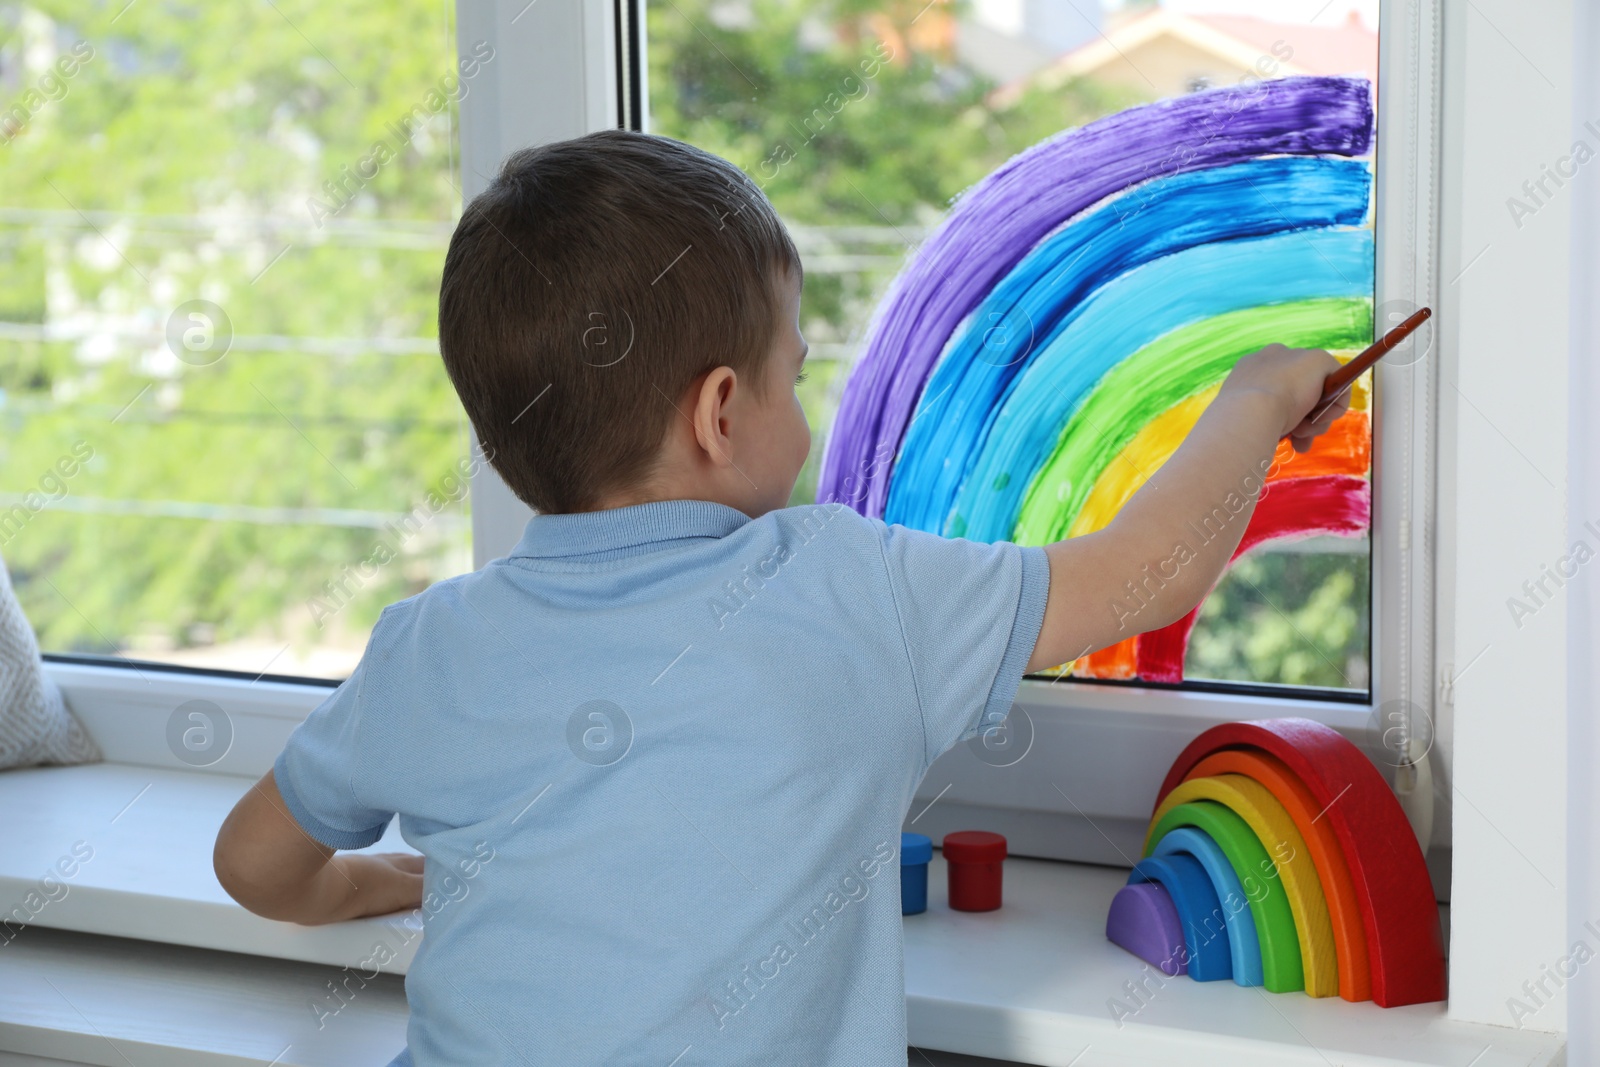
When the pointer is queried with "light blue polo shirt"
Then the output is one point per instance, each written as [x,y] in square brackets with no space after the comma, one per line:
[658,759]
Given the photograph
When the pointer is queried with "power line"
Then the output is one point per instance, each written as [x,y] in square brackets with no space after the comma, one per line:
[259,516]
[103,412]
[228,228]
[143,340]
[239,229]
[146,338]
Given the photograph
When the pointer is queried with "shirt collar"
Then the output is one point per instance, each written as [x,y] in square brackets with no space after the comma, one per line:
[585,533]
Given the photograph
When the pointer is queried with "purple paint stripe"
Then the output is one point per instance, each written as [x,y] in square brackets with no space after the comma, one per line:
[994,224]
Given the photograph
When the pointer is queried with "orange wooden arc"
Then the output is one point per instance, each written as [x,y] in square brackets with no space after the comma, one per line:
[1349,938]
[1405,944]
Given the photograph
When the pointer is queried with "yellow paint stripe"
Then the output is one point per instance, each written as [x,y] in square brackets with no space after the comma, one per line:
[1157,441]
[1141,457]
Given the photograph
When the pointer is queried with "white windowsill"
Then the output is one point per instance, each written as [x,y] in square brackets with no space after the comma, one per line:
[151,832]
[1029,982]
[1032,982]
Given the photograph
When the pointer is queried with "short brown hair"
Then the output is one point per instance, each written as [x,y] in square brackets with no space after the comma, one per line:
[586,288]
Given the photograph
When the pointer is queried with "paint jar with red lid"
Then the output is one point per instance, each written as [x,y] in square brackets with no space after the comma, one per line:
[974,859]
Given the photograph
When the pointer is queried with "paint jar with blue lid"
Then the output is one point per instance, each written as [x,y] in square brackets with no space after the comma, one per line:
[916,851]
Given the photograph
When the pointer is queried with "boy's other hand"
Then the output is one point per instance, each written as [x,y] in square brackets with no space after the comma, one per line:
[1293,379]
[385,882]
[265,861]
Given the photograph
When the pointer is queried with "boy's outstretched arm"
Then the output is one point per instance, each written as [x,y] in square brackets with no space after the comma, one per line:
[1173,537]
[269,865]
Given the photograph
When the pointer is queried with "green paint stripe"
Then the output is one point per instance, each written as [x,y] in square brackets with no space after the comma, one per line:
[1165,372]
[1282,969]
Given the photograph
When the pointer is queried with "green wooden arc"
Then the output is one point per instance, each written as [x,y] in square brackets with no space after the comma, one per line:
[1282,970]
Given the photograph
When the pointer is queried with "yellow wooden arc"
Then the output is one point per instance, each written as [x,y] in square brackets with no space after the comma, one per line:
[1292,863]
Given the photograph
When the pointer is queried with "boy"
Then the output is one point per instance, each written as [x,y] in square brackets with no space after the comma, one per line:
[658,757]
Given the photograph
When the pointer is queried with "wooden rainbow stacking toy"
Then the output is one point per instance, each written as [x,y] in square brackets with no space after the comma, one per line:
[1278,856]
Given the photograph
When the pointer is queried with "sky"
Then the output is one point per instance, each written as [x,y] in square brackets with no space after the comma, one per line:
[1324,12]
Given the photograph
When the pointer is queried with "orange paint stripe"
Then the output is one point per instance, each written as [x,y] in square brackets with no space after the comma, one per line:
[1114,661]
[1345,449]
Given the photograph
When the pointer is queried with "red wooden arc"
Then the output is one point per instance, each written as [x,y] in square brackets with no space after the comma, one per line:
[1405,944]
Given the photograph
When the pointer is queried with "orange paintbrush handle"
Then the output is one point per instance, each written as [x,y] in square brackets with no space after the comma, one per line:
[1340,379]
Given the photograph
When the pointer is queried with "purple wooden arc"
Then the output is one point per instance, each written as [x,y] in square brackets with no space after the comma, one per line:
[1144,920]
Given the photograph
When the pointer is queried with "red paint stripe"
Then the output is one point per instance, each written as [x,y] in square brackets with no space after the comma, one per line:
[1292,507]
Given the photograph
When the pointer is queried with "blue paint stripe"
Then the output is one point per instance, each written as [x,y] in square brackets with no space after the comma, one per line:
[1122,317]
[1047,291]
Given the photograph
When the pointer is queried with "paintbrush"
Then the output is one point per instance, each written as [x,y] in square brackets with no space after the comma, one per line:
[1341,379]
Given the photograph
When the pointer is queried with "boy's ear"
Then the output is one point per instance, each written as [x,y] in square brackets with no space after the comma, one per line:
[710,415]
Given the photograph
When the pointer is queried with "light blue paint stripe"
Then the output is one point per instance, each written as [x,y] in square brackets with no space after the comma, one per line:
[1046,291]
[1122,317]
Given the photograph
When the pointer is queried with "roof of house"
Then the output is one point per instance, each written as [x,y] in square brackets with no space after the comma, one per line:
[1347,48]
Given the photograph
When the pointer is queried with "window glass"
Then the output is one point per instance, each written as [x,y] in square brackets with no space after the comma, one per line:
[1038,336]
[228,440]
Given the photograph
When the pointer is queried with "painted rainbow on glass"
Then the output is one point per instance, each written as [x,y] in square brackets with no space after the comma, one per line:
[1059,333]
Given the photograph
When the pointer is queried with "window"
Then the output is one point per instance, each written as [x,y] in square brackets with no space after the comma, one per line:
[1093,748]
[214,513]
[228,439]
[863,122]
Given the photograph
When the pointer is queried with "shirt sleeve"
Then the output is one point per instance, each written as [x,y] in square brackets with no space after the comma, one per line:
[970,614]
[315,772]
